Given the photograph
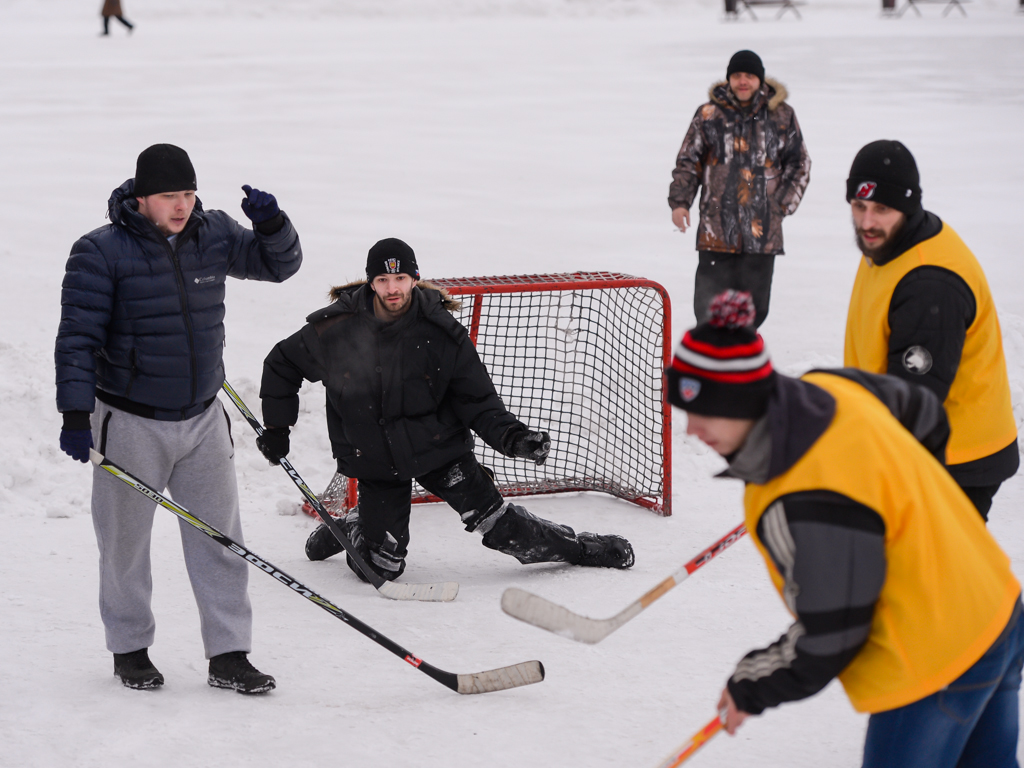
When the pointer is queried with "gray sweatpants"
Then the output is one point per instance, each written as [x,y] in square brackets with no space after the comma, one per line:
[194,460]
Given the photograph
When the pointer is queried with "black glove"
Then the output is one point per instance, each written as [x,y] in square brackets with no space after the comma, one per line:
[526,444]
[274,443]
[76,443]
[259,206]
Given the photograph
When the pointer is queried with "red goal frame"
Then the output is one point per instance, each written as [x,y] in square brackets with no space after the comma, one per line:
[478,287]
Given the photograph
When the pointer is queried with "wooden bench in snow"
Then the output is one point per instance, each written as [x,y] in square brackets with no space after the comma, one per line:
[949,6]
[784,5]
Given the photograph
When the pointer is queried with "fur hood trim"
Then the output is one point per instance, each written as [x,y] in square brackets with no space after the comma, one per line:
[452,305]
[774,99]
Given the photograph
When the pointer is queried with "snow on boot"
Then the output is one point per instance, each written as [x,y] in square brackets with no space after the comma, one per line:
[605,551]
[233,670]
[136,670]
[322,543]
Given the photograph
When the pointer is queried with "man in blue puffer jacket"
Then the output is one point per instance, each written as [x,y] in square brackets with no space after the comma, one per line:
[139,365]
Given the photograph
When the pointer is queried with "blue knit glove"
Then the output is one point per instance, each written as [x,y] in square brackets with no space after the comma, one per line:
[76,443]
[259,206]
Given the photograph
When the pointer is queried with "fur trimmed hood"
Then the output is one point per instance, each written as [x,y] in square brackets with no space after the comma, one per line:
[771,88]
[452,305]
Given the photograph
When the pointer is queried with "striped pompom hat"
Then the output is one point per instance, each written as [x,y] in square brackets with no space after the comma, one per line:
[722,367]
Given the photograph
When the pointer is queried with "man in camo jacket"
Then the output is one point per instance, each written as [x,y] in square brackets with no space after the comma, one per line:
[744,149]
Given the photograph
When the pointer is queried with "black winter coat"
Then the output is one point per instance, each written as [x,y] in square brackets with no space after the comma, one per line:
[143,319]
[401,397]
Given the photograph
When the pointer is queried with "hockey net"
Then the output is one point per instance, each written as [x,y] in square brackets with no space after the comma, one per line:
[580,356]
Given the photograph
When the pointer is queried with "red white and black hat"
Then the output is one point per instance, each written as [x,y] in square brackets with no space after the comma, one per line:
[722,367]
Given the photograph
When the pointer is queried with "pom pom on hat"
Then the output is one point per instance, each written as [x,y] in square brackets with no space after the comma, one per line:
[731,309]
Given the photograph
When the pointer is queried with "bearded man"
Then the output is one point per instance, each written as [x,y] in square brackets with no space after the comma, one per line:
[921,309]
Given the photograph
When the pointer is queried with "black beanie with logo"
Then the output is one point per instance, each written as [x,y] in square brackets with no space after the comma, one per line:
[163,168]
[885,172]
[391,256]
[745,61]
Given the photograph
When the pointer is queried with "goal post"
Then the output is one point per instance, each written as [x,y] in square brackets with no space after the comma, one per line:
[580,356]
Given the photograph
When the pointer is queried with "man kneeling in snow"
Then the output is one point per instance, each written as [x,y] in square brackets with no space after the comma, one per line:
[404,388]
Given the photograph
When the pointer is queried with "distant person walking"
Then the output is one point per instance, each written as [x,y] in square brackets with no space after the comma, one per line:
[745,152]
[113,8]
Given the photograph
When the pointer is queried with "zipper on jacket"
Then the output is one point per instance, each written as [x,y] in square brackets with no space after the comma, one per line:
[188,322]
[133,359]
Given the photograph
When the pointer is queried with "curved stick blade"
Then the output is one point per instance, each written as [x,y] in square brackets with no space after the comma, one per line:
[555,618]
[441,592]
[516,676]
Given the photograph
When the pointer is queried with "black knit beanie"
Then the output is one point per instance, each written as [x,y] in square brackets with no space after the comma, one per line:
[746,61]
[885,172]
[721,367]
[163,168]
[391,256]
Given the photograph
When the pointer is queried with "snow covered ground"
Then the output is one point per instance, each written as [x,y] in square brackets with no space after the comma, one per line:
[496,137]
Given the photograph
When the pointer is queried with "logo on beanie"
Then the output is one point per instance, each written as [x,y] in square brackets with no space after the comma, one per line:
[866,190]
[689,389]
[917,360]
[392,265]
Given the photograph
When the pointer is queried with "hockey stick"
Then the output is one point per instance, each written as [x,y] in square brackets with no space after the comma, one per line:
[480,682]
[542,613]
[698,740]
[442,592]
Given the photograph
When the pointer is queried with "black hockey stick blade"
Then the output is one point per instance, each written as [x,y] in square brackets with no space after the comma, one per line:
[515,676]
[440,592]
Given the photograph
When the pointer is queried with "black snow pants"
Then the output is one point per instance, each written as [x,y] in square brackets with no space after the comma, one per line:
[717,272]
[385,505]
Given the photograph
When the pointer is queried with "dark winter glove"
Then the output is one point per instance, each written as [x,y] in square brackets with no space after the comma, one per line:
[525,444]
[274,443]
[76,443]
[259,206]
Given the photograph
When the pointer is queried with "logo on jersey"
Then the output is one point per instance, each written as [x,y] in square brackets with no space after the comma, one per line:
[392,265]
[866,190]
[689,389]
[917,360]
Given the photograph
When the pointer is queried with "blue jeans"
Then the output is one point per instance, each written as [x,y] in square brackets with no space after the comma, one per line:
[971,723]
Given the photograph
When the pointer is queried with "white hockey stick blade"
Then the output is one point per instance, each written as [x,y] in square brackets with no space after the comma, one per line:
[517,675]
[441,592]
[535,610]
[542,613]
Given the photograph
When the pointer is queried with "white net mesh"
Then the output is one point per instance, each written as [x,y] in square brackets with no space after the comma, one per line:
[581,357]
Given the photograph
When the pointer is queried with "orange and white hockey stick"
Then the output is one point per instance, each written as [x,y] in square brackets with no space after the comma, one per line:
[545,614]
[698,740]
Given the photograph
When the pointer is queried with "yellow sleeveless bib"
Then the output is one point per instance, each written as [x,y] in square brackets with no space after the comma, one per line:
[978,404]
[948,591]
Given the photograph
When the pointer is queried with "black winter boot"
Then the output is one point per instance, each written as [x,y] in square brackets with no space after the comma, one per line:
[605,551]
[387,560]
[136,670]
[531,539]
[322,543]
[233,670]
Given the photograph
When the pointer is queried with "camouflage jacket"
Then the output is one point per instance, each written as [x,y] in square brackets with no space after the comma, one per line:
[751,164]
